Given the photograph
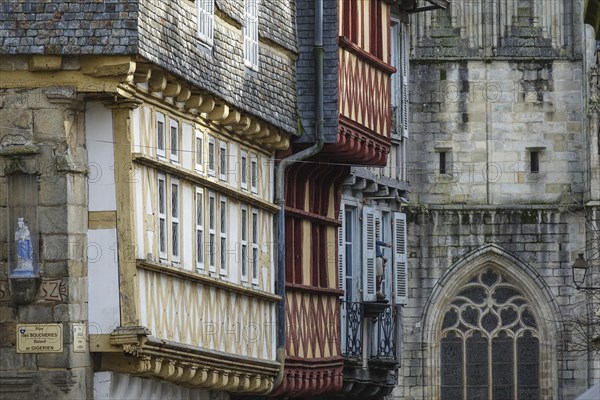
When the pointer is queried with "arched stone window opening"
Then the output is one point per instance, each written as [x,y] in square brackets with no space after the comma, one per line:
[490,345]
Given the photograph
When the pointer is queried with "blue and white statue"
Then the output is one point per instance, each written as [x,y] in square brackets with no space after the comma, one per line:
[24,249]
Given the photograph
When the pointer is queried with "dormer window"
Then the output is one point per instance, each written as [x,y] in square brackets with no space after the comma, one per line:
[251,33]
[205,10]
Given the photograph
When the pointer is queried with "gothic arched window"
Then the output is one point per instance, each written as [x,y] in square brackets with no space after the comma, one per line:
[490,343]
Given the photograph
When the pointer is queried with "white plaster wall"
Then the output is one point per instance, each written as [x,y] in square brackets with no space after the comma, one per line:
[99,142]
[233,250]
[139,212]
[136,139]
[103,281]
[233,167]
[112,385]
[187,220]
[187,147]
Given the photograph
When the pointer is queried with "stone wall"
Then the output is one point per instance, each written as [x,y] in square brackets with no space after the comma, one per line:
[487,117]
[545,239]
[50,120]
[488,96]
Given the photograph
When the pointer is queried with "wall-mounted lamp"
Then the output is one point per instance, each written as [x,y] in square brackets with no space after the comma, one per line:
[580,269]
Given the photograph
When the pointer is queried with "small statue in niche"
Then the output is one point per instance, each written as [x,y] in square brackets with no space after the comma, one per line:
[24,248]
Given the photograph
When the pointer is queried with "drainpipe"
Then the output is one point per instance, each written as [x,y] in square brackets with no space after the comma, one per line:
[280,186]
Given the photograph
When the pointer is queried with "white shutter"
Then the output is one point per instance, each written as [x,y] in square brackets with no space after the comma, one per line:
[400,265]
[342,276]
[341,253]
[404,69]
[368,247]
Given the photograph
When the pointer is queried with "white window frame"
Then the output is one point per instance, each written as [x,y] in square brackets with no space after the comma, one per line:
[162,217]
[255,250]
[244,170]
[199,150]
[244,243]
[174,144]
[223,160]
[175,225]
[212,156]
[251,33]
[253,173]
[199,222]
[223,230]
[160,133]
[212,232]
[205,21]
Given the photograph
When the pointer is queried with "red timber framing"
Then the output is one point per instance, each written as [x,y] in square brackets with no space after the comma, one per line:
[314,363]
[364,82]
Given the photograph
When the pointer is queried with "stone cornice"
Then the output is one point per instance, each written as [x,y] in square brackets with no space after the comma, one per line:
[145,355]
[150,80]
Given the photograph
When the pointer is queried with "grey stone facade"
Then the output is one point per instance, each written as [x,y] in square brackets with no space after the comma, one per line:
[49,120]
[488,96]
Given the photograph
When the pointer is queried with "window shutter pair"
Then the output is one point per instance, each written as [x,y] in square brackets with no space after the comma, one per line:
[400,271]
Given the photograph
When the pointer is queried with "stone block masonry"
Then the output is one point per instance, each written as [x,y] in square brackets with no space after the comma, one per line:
[62,217]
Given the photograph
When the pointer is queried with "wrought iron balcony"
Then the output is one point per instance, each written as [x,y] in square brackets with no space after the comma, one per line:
[382,341]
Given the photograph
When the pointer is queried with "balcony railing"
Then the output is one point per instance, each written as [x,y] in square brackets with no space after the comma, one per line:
[382,330]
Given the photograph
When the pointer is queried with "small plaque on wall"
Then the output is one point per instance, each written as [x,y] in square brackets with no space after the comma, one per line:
[39,338]
[79,338]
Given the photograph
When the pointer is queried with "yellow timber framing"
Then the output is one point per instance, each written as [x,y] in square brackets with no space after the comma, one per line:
[125,196]
[102,220]
[198,179]
[207,280]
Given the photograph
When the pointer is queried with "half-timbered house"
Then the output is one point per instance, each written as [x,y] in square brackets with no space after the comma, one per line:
[347,100]
[150,127]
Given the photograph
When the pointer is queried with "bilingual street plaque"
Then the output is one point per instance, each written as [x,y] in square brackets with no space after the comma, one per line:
[39,338]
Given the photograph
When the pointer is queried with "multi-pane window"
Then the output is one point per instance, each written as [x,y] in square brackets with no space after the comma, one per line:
[251,33]
[160,135]
[175,220]
[255,253]
[199,150]
[211,155]
[174,140]
[205,10]
[490,343]
[212,232]
[244,244]
[199,228]
[253,173]
[244,170]
[223,161]
[223,235]
[162,216]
